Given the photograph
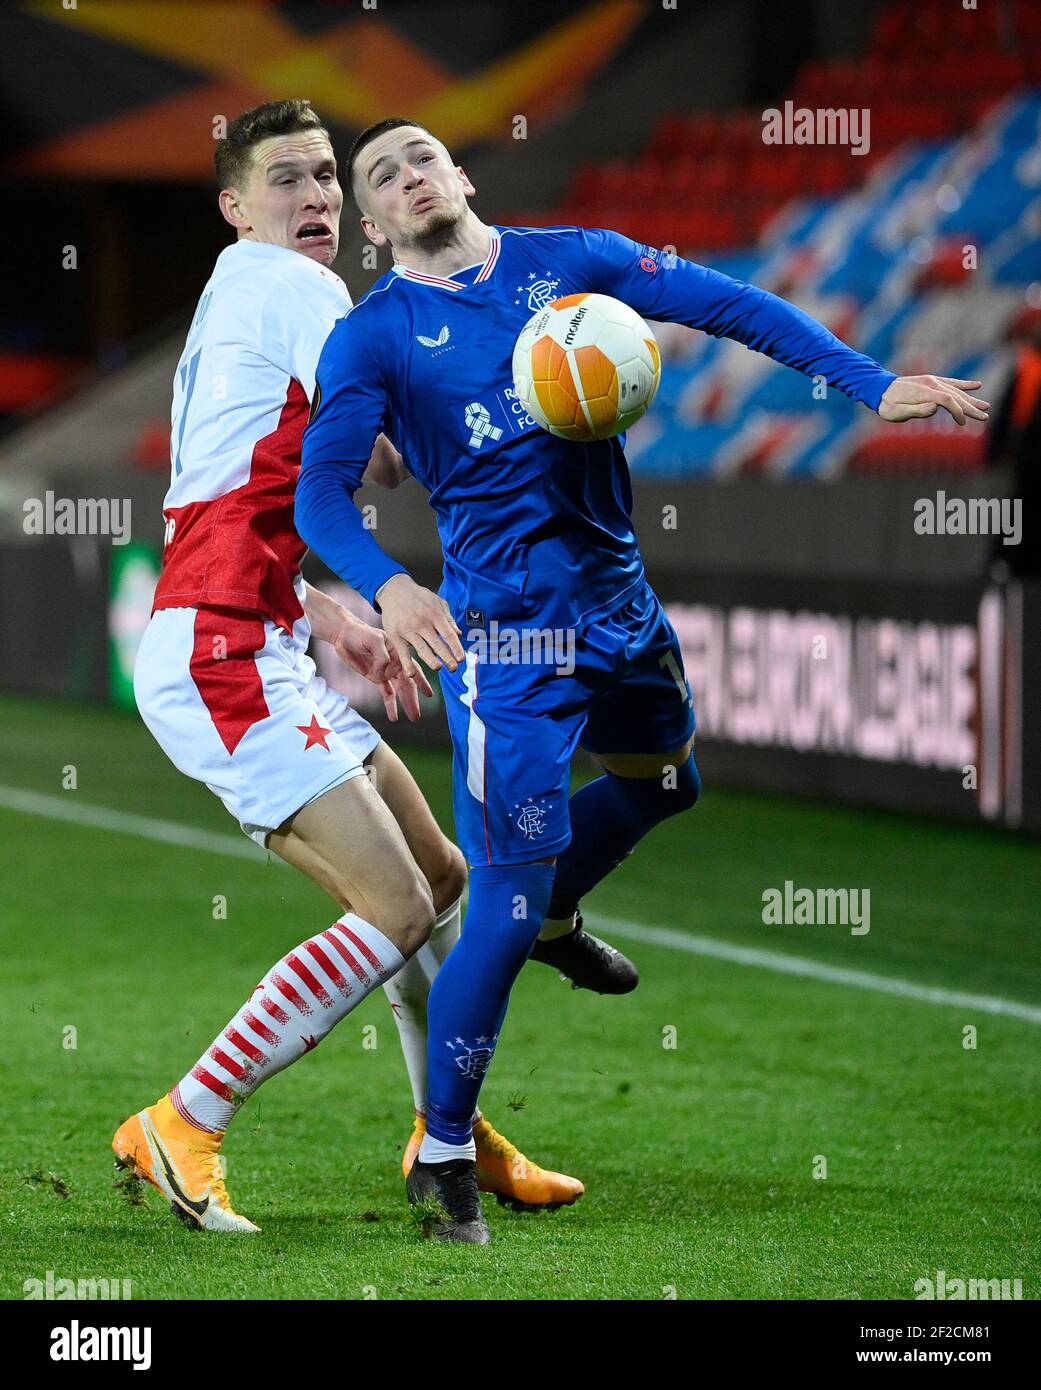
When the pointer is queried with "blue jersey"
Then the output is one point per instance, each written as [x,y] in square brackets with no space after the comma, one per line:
[532,527]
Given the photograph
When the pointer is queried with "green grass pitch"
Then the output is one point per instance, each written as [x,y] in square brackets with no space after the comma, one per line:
[698,1160]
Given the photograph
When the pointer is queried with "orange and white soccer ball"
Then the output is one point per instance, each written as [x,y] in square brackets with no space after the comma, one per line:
[586,367]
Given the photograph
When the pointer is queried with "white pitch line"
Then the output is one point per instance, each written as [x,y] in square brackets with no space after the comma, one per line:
[104,818]
[171,833]
[783,964]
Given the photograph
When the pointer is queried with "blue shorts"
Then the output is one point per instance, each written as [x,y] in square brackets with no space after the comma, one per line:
[517,711]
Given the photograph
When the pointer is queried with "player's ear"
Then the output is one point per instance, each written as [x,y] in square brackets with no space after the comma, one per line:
[373,232]
[232,210]
[468,187]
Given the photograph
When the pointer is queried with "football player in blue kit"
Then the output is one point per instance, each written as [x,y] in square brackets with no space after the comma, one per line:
[537,538]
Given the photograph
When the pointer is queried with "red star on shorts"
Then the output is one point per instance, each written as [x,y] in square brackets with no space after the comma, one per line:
[315,734]
[312,1041]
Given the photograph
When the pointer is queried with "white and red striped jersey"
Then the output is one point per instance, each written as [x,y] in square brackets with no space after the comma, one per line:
[241,400]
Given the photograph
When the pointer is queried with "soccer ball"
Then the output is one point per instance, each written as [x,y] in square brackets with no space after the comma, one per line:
[586,367]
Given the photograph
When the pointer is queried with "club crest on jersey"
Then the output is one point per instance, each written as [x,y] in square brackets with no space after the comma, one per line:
[531,818]
[479,423]
[438,342]
[540,292]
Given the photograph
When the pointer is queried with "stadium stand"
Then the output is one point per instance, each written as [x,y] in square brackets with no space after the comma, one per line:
[922,250]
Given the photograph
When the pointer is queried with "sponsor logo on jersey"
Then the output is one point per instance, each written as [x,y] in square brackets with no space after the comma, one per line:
[511,412]
[438,342]
[479,423]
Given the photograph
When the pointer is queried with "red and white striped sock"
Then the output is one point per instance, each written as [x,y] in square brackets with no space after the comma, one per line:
[296,1003]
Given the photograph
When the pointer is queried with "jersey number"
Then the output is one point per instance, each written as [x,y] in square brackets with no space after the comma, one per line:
[188,372]
[668,663]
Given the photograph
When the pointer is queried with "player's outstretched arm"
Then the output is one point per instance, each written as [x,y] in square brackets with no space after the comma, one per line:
[915,397]
[675,290]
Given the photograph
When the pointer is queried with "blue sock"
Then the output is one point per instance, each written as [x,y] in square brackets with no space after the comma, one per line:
[609,816]
[471,991]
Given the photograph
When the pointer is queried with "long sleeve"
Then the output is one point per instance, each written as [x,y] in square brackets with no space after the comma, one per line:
[671,289]
[328,520]
[348,412]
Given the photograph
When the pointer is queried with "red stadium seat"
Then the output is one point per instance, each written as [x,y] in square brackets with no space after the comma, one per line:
[911,450]
[707,182]
[152,448]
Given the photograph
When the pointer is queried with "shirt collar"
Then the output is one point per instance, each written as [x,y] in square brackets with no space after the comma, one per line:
[455,283]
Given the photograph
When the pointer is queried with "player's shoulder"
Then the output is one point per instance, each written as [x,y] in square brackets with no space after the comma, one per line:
[358,325]
[257,272]
[359,333]
[383,295]
[536,239]
[565,243]
[562,229]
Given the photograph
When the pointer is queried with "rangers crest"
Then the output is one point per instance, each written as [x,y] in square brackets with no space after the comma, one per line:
[474,1061]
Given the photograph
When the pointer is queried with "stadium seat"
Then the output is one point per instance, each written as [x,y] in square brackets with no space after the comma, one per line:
[954,160]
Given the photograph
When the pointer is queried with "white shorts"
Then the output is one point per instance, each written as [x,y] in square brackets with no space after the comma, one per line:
[235,702]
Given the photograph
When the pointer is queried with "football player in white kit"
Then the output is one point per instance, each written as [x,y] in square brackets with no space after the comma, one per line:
[224,682]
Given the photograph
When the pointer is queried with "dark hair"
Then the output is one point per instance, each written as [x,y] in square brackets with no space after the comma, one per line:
[370,133]
[234,154]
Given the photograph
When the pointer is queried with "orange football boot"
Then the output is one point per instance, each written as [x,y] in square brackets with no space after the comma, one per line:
[504,1170]
[183,1163]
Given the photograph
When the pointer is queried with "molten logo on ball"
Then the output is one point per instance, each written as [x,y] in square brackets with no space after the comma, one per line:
[588,374]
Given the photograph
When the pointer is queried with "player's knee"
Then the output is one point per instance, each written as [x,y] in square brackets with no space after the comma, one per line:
[511,901]
[688,786]
[416,918]
[404,912]
[447,876]
[655,799]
